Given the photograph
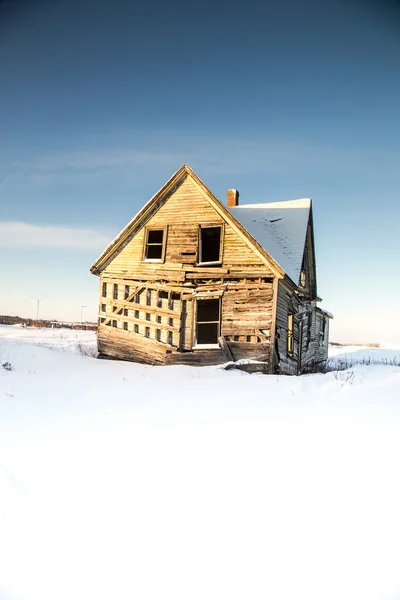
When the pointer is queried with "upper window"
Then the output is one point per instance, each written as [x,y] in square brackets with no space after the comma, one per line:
[154,246]
[210,245]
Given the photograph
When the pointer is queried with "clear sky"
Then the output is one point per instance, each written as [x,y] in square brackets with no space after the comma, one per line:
[100,102]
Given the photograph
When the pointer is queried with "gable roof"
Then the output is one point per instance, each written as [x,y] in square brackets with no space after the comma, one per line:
[280,228]
[279,246]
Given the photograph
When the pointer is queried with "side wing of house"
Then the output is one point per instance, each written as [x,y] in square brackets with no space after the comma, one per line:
[183,278]
[302,328]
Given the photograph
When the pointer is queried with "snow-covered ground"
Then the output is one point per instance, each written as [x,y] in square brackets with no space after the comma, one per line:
[133,482]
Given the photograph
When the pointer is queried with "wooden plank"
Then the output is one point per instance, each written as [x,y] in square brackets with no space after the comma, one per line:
[224,345]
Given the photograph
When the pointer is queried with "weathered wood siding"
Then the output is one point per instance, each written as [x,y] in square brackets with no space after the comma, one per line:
[182,213]
[286,302]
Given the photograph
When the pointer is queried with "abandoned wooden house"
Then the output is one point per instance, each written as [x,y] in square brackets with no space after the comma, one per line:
[192,281]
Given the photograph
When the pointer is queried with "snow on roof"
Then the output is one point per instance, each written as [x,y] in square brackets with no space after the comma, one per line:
[280,228]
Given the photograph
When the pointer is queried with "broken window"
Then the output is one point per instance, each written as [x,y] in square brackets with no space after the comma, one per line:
[290,338]
[207,321]
[154,247]
[210,245]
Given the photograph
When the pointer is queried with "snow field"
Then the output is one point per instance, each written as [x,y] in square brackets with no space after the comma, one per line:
[126,481]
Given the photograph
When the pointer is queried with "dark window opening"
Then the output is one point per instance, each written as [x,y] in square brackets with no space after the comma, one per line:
[126,292]
[207,325]
[114,323]
[125,326]
[158,335]
[147,316]
[248,338]
[154,244]
[148,297]
[158,318]
[115,293]
[136,314]
[163,295]
[147,332]
[103,308]
[104,291]
[159,300]
[125,312]
[136,328]
[210,245]
[137,298]
[170,322]
[170,338]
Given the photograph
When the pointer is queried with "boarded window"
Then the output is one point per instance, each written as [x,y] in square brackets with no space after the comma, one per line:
[115,291]
[104,290]
[125,326]
[210,245]
[126,292]
[207,321]
[154,248]
[290,338]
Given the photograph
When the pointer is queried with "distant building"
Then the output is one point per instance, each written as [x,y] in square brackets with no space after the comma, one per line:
[191,281]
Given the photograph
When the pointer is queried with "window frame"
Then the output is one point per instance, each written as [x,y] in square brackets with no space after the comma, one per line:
[290,334]
[163,245]
[210,345]
[221,226]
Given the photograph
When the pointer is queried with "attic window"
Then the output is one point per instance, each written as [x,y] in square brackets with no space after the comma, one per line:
[210,245]
[154,245]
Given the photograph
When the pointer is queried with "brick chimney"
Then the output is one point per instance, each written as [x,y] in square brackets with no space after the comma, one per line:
[232,198]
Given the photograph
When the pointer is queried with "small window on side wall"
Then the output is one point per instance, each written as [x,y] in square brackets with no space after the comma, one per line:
[210,245]
[154,245]
[290,338]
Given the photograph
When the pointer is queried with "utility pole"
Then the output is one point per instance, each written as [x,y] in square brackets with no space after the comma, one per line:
[38,300]
[82,307]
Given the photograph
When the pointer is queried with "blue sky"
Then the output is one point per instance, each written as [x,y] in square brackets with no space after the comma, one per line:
[102,101]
